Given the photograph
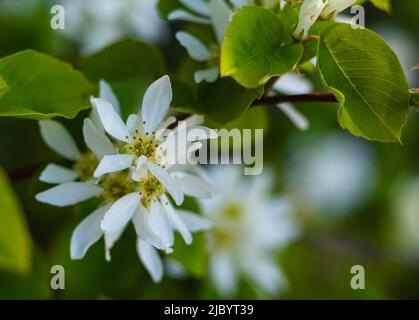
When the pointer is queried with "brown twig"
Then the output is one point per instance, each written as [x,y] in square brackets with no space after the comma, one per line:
[311,97]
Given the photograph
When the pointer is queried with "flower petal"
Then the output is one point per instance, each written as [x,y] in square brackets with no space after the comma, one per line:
[142,227]
[198,6]
[220,17]
[106,93]
[96,140]
[113,163]
[193,221]
[309,13]
[54,173]
[196,49]
[183,15]
[120,213]
[160,226]
[196,187]
[132,123]
[176,221]
[209,75]
[69,193]
[110,239]
[296,117]
[156,103]
[150,259]
[168,182]
[111,121]
[336,6]
[87,233]
[59,139]
[223,273]
[141,169]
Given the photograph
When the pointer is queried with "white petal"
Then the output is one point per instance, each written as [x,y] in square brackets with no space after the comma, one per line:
[336,6]
[196,49]
[142,227]
[106,93]
[69,193]
[151,260]
[176,221]
[59,139]
[110,239]
[193,221]
[309,13]
[96,140]
[54,173]
[141,169]
[168,182]
[194,120]
[196,187]
[132,122]
[296,117]
[223,273]
[183,15]
[267,276]
[198,6]
[87,233]
[156,103]
[114,163]
[220,16]
[160,226]
[111,121]
[120,213]
[209,75]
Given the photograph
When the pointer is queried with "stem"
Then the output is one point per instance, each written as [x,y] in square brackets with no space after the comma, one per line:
[311,97]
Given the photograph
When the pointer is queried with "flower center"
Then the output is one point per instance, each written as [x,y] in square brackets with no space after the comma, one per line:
[117,185]
[152,189]
[141,145]
[86,165]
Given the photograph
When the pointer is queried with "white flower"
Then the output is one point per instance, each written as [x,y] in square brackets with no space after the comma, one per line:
[311,10]
[215,13]
[309,13]
[249,226]
[96,23]
[137,194]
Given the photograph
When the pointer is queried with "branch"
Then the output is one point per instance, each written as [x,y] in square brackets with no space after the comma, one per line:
[311,97]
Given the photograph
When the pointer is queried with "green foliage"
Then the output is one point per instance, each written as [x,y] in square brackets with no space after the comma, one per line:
[42,87]
[15,243]
[252,50]
[129,66]
[222,101]
[124,60]
[367,79]
[3,87]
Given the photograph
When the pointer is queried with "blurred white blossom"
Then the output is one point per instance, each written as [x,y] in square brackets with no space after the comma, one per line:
[249,227]
[96,23]
[330,174]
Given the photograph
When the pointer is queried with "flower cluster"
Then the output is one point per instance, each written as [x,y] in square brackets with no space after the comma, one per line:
[130,173]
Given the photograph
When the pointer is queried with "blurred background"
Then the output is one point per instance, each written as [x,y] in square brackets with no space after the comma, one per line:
[356,202]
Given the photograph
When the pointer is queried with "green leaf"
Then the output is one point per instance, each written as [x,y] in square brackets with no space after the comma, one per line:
[3,87]
[252,50]
[384,5]
[367,79]
[124,60]
[15,243]
[42,87]
[222,101]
